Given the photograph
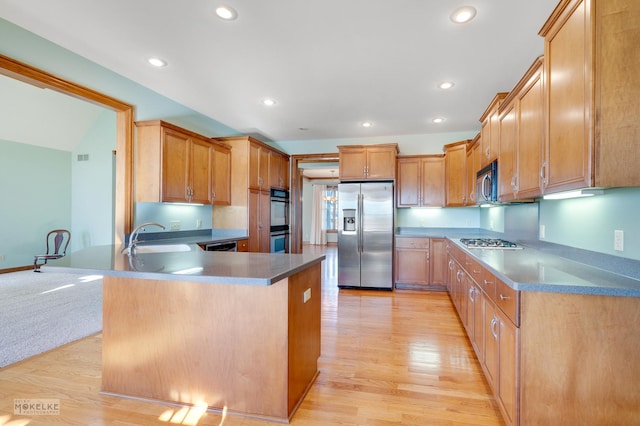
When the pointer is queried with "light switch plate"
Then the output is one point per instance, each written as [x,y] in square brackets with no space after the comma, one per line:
[307,295]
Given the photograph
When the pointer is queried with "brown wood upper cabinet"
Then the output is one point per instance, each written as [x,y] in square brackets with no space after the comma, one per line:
[522,137]
[456,173]
[220,174]
[420,181]
[592,92]
[368,162]
[473,167]
[490,132]
[176,165]
[278,170]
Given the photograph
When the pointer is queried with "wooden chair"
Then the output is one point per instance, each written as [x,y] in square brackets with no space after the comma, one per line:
[56,240]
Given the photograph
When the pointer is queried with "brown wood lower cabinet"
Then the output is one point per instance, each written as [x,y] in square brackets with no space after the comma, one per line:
[550,358]
[420,263]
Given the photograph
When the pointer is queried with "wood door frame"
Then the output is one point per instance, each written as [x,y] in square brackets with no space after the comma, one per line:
[295,227]
[123,197]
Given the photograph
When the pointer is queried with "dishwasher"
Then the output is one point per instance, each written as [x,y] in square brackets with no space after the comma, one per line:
[226,246]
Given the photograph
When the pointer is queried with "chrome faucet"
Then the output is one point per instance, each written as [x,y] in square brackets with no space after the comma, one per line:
[133,238]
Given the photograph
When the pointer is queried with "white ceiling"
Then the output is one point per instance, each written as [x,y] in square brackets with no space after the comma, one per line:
[329,64]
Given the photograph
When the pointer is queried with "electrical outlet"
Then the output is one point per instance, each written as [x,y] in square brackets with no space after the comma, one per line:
[1,257]
[174,225]
[306,296]
[618,240]
[198,223]
[543,231]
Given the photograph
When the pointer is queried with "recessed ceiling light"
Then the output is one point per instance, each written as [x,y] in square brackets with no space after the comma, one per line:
[367,124]
[438,120]
[446,85]
[157,62]
[463,14]
[269,102]
[226,12]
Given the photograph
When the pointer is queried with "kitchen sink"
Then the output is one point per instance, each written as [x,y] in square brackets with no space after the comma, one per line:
[162,248]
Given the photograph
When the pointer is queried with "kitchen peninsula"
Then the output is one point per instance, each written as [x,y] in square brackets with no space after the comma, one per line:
[238,332]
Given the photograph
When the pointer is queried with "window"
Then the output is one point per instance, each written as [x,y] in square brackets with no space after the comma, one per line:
[330,198]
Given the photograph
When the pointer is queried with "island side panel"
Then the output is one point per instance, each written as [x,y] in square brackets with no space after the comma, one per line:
[221,344]
[579,359]
[304,333]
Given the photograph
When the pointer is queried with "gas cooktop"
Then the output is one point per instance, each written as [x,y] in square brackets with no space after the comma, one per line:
[490,243]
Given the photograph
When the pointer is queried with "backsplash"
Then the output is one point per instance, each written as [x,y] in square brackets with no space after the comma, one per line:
[589,223]
[464,217]
[177,216]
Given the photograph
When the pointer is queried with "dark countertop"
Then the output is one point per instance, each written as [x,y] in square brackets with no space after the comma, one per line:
[195,265]
[546,267]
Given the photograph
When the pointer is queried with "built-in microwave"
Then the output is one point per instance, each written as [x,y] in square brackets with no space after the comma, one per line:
[487,184]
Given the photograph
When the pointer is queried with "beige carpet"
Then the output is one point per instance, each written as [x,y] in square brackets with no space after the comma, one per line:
[42,311]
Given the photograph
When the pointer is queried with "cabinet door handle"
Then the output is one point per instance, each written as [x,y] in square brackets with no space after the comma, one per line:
[543,169]
[451,265]
[471,294]
[494,321]
[475,271]
[503,297]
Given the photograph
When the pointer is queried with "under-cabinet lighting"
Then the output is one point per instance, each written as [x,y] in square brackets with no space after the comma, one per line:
[189,271]
[590,192]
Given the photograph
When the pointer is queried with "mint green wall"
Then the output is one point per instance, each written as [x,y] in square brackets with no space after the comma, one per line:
[588,223]
[35,189]
[92,185]
[465,217]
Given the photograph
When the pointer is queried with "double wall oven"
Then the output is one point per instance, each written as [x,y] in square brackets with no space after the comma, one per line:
[279,221]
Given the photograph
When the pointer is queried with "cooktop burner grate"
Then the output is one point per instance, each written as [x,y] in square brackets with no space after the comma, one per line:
[489,243]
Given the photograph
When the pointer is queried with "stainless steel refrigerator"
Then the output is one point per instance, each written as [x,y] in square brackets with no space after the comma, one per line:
[365,235]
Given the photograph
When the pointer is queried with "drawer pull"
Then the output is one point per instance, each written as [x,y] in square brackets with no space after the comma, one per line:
[503,297]
[487,282]
[476,272]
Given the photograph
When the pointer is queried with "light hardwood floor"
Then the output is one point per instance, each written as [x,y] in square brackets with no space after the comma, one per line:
[388,358]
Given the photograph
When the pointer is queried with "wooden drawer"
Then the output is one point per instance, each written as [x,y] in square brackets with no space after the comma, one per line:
[243,245]
[412,243]
[473,268]
[508,300]
[488,284]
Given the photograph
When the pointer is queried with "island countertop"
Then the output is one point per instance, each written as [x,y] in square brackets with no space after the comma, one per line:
[194,266]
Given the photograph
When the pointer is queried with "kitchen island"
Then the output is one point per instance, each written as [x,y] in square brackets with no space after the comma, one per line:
[234,332]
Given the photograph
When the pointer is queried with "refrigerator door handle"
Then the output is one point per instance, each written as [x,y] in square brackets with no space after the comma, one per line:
[360,222]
